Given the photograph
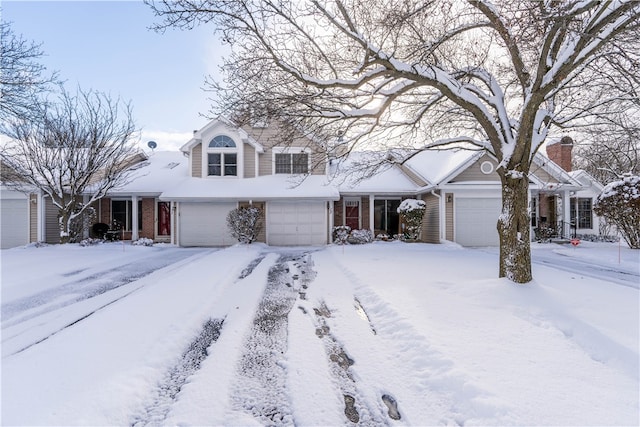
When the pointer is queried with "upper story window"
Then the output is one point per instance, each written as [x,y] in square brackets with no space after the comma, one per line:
[222,157]
[290,163]
[222,141]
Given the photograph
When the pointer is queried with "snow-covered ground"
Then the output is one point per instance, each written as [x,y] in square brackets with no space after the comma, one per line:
[387,333]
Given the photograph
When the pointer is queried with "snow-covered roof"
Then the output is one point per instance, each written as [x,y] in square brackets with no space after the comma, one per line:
[438,166]
[267,187]
[161,170]
[352,176]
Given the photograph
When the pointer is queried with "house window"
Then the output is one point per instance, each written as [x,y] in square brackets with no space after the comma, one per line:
[222,158]
[122,214]
[385,216]
[290,163]
[222,141]
[534,212]
[583,206]
[222,164]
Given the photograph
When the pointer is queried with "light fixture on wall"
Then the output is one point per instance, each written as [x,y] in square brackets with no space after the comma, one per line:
[449,198]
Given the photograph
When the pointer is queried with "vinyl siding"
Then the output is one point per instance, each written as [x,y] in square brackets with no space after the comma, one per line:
[449,217]
[249,161]
[52,233]
[431,219]
[196,161]
[33,218]
[474,173]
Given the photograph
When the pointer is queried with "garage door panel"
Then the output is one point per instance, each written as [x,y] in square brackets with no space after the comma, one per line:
[14,220]
[205,224]
[476,220]
[296,223]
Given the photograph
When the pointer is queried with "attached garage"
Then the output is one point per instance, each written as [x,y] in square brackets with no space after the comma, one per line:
[205,224]
[300,223]
[14,219]
[476,220]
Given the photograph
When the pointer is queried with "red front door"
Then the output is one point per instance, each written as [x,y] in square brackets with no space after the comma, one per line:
[352,214]
[164,219]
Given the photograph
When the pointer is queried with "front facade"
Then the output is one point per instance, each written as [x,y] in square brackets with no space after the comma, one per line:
[184,197]
[231,166]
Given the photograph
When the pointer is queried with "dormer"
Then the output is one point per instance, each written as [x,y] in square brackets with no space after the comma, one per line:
[220,150]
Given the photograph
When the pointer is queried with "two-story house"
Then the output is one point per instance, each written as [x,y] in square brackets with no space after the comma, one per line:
[231,166]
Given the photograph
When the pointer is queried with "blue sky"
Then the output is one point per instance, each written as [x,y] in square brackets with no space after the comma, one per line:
[107,46]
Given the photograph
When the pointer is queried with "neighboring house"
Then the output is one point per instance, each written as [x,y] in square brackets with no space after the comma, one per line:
[184,197]
[462,192]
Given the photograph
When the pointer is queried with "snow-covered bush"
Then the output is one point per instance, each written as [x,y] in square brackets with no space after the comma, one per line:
[245,223]
[412,212]
[143,241]
[359,237]
[619,203]
[341,234]
[382,236]
[90,242]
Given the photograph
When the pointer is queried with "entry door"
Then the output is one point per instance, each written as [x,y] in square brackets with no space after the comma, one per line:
[352,214]
[164,219]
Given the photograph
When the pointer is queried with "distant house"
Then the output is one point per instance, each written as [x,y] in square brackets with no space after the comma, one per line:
[183,197]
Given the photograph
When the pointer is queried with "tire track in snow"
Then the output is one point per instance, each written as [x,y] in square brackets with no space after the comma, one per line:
[448,395]
[167,391]
[98,283]
[261,382]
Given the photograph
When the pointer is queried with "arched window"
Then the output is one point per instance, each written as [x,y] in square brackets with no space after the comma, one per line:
[222,141]
[222,157]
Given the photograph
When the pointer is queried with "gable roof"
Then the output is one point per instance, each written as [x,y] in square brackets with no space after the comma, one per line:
[219,122]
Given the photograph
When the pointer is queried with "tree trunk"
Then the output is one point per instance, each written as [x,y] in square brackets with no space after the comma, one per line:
[514,231]
[63,222]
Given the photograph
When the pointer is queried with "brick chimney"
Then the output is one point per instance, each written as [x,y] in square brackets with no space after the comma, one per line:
[560,152]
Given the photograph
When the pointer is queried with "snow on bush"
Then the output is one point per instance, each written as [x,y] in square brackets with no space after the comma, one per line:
[619,203]
[341,234]
[143,241]
[359,237]
[245,224]
[90,242]
[412,212]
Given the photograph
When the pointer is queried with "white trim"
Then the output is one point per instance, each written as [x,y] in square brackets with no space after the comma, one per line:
[238,150]
[371,214]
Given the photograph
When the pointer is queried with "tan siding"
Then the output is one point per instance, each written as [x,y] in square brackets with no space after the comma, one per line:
[431,219]
[413,176]
[474,173]
[541,174]
[52,233]
[364,210]
[274,136]
[33,218]
[196,161]
[265,163]
[249,161]
[449,217]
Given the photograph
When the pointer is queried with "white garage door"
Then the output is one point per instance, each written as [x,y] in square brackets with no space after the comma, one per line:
[476,220]
[205,224]
[296,223]
[14,220]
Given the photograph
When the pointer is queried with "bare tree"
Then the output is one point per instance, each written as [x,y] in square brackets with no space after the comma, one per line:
[612,148]
[399,73]
[74,150]
[22,77]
